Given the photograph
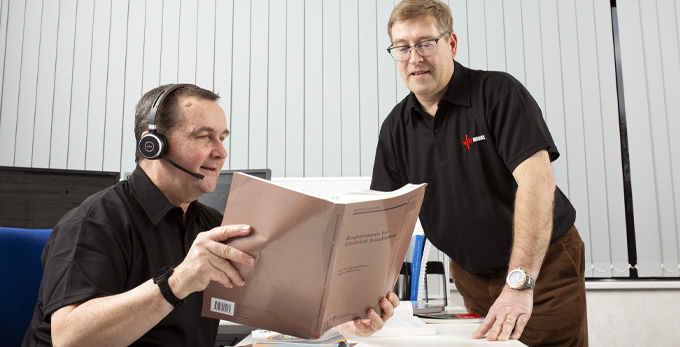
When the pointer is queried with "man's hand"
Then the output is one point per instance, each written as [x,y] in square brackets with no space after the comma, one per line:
[209,259]
[511,306]
[368,327]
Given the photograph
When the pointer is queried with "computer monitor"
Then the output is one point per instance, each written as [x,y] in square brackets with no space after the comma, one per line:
[34,198]
[218,198]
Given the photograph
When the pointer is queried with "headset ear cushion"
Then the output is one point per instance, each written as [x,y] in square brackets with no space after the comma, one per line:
[152,146]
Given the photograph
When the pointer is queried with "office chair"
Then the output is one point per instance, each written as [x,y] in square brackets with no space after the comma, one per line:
[20,273]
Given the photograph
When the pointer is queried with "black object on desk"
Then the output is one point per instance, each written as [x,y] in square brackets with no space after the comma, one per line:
[436,268]
[403,285]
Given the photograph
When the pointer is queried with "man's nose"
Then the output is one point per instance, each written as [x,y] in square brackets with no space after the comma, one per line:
[414,56]
[219,151]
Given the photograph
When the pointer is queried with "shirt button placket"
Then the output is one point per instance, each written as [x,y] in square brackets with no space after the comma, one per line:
[439,143]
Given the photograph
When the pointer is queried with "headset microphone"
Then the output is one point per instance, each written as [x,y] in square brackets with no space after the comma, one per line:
[197,175]
[153,145]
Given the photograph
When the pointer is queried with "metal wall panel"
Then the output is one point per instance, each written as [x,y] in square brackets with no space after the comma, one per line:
[11,82]
[115,88]
[368,84]
[80,87]
[224,29]
[276,106]
[63,77]
[205,44]
[240,93]
[313,46]
[29,78]
[170,42]
[349,88]
[257,148]
[42,132]
[134,69]
[295,86]
[96,111]
[593,140]
[332,101]
[495,35]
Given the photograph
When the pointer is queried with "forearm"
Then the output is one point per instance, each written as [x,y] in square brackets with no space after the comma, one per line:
[533,218]
[532,227]
[116,320]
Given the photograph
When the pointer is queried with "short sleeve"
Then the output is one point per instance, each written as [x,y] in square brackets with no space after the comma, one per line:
[85,261]
[519,128]
[386,176]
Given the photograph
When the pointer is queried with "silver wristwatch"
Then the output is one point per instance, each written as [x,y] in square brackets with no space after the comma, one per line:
[519,279]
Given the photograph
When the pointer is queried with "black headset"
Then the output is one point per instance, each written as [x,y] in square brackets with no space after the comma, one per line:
[153,145]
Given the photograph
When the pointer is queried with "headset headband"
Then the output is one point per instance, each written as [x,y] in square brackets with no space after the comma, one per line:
[153,119]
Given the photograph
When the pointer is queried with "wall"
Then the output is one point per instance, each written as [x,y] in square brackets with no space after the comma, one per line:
[626,314]
[650,59]
[305,85]
[633,317]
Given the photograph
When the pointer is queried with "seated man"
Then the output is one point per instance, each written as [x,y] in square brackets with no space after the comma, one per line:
[129,266]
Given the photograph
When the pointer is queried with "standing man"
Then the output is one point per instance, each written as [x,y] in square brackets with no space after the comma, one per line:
[478,139]
[129,266]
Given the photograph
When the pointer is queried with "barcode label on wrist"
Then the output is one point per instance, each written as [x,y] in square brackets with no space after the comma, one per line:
[222,306]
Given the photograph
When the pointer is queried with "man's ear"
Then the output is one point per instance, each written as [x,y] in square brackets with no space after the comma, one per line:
[453,41]
[144,133]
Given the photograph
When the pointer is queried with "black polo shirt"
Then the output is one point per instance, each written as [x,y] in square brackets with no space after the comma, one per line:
[485,125]
[116,240]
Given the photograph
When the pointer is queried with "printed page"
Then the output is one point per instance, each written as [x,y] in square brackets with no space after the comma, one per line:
[371,195]
[370,251]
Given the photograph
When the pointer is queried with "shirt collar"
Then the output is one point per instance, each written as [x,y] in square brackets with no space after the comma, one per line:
[458,92]
[155,204]
[459,87]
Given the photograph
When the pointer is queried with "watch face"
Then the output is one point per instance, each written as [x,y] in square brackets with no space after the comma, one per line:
[516,279]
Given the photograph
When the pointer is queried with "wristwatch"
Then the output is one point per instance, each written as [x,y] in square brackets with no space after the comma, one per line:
[518,279]
[161,279]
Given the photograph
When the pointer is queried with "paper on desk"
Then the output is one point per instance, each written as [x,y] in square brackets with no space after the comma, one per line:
[266,337]
[403,323]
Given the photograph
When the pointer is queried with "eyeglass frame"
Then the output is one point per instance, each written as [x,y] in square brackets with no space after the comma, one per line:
[436,41]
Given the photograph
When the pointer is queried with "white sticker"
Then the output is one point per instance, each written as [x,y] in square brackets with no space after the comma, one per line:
[222,306]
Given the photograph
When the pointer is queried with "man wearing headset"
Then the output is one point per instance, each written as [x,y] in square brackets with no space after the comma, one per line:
[129,265]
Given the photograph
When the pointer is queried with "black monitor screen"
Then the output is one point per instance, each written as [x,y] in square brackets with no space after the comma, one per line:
[218,198]
[34,198]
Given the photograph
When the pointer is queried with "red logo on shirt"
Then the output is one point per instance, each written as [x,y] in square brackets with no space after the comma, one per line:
[467,141]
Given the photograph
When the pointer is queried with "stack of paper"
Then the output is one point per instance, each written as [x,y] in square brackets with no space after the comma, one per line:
[263,338]
[403,323]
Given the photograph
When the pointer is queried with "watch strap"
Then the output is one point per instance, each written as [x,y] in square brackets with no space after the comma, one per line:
[161,279]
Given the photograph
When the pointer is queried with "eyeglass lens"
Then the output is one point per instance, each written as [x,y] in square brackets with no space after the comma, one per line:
[424,48]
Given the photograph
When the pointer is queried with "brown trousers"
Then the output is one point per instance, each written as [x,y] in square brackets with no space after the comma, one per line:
[559,314]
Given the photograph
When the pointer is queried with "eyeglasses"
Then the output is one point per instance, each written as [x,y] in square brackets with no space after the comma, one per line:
[424,48]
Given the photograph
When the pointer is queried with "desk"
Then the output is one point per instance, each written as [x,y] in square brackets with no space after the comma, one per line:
[457,334]
[231,328]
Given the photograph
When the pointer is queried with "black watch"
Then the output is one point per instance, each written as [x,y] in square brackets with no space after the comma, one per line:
[161,279]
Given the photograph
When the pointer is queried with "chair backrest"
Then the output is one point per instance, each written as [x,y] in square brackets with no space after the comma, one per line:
[20,273]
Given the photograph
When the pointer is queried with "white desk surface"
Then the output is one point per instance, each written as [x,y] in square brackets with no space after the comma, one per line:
[457,334]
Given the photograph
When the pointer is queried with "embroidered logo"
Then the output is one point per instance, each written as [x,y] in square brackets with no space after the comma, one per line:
[467,141]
